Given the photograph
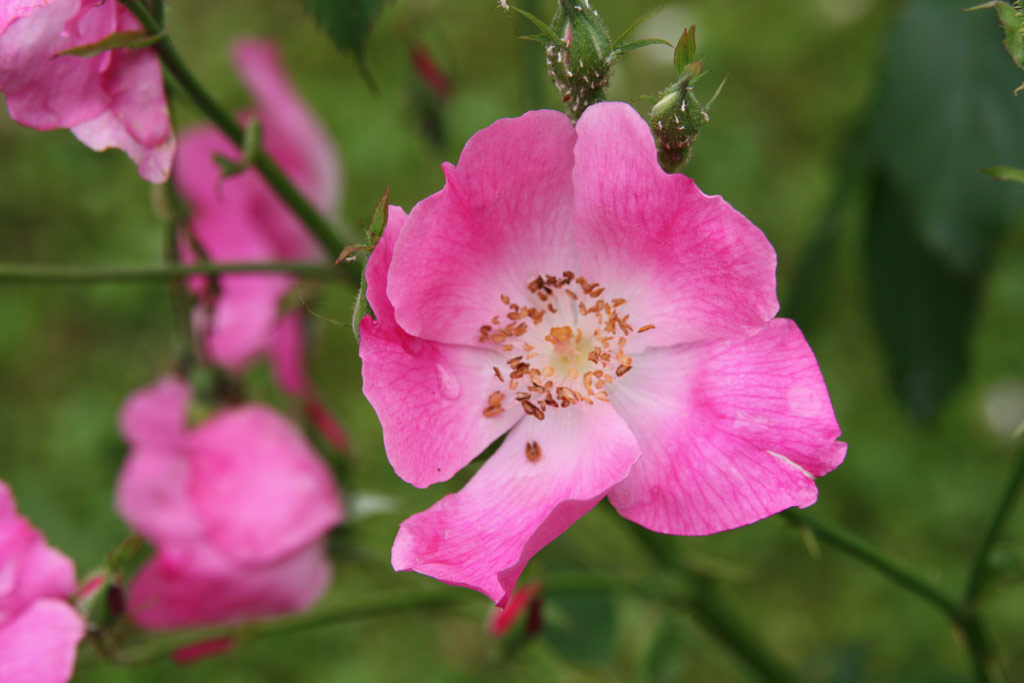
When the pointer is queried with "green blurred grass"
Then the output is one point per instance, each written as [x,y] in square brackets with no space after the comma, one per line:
[800,76]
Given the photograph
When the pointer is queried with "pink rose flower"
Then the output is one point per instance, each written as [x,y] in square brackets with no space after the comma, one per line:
[613,322]
[39,630]
[240,218]
[114,99]
[237,508]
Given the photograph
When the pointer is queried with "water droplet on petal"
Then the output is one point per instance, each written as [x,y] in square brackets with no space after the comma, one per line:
[450,388]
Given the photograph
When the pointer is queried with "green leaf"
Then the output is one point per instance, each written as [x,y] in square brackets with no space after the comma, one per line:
[1010,173]
[580,627]
[1012,20]
[379,219]
[115,41]
[348,23]
[922,308]
[686,49]
[944,112]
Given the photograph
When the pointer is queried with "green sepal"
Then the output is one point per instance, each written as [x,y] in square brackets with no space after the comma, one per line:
[622,49]
[686,50]
[1009,173]
[622,36]
[546,31]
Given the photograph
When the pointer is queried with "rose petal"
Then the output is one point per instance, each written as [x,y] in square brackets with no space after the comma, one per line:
[259,486]
[201,587]
[40,644]
[519,501]
[732,432]
[155,416]
[152,495]
[287,346]
[294,135]
[501,220]
[429,397]
[687,263]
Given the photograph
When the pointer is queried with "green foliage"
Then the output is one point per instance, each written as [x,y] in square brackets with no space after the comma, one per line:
[1012,19]
[580,627]
[943,114]
[348,23]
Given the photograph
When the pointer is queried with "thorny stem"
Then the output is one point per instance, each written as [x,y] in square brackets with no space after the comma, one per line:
[175,66]
[24,273]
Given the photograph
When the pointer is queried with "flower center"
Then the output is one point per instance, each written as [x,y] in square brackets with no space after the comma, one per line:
[563,347]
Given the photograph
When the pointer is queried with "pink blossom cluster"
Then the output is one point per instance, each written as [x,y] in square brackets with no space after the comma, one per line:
[239,218]
[614,324]
[236,506]
[111,99]
[39,629]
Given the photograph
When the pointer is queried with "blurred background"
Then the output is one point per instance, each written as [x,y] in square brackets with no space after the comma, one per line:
[851,131]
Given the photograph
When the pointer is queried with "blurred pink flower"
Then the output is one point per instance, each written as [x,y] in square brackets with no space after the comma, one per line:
[114,99]
[39,630]
[615,321]
[237,508]
[240,218]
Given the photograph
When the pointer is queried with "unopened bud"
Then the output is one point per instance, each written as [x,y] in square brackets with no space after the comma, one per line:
[676,120]
[580,62]
[677,116]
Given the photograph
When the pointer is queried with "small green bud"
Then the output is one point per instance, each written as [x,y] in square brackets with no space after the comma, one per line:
[580,61]
[676,120]
[677,116]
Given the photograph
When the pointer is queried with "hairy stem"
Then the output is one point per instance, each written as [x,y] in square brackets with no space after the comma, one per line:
[175,66]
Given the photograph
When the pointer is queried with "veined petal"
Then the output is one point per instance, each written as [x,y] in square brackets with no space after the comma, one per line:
[40,644]
[429,397]
[502,218]
[687,263]
[732,431]
[545,476]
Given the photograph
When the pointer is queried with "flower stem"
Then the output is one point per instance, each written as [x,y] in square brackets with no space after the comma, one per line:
[963,616]
[175,66]
[24,273]
[865,552]
[979,568]
[379,605]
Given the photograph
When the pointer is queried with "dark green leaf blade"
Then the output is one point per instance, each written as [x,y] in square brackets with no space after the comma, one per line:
[923,310]
[944,113]
[348,23]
